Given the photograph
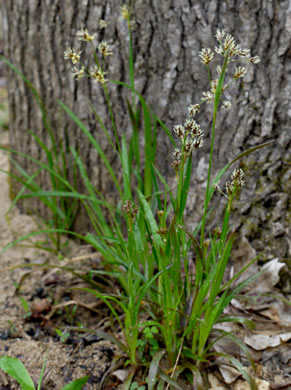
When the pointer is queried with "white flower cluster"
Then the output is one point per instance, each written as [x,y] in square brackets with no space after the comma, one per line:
[96,72]
[228,48]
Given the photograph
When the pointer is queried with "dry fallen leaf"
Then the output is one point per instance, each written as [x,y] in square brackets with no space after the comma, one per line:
[263,341]
[215,384]
[269,278]
[242,385]
[121,374]
[279,312]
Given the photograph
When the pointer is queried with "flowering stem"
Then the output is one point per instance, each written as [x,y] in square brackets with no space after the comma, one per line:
[131,64]
[216,103]
[112,118]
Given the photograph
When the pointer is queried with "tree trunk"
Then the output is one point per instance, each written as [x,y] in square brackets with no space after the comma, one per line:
[167,38]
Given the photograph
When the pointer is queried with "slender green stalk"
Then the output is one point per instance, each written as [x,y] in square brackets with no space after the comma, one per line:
[215,108]
[112,118]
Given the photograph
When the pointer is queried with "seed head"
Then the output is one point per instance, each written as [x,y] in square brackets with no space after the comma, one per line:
[104,49]
[206,56]
[125,12]
[127,205]
[83,35]
[206,243]
[217,232]
[97,74]
[193,128]
[244,52]
[207,97]
[190,125]
[179,131]
[177,153]
[102,24]
[219,34]
[236,181]
[213,86]
[226,105]
[193,109]
[240,71]
[73,55]
[219,50]
[229,43]
[237,177]
[188,146]
[176,164]
[229,188]
[198,142]
[160,213]
[255,59]
[162,231]
[78,73]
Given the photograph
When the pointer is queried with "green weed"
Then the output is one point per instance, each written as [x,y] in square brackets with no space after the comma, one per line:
[15,368]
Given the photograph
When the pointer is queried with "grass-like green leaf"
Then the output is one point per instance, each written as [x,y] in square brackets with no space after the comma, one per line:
[154,367]
[77,384]
[15,368]
[94,143]
[237,364]
[185,188]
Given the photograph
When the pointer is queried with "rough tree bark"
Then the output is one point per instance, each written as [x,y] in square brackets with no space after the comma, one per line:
[167,39]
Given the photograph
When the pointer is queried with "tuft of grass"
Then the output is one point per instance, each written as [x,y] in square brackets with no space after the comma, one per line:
[169,282]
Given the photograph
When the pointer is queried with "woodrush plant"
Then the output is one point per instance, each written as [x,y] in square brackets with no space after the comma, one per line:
[152,264]
[159,285]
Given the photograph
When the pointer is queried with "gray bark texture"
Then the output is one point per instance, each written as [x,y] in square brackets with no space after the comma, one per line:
[167,38]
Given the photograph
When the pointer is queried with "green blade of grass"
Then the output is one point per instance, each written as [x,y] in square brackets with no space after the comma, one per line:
[127,383]
[185,188]
[103,127]
[154,367]
[125,170]
[27,184]
[151,219]
[169,380]
[167,131]
[237,158]
[94,143]
[237,364]
[41,373]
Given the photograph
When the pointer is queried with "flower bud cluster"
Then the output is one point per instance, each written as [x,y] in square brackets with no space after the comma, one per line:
[130,208]
[190,134]
[97,73]
[228,48]
[206,56]
[236,182]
